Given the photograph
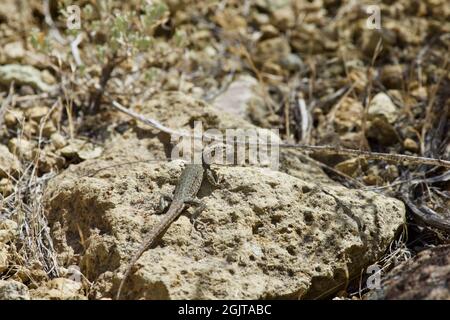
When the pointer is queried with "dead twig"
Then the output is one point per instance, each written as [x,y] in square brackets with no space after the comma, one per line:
[327,149]
[108,68]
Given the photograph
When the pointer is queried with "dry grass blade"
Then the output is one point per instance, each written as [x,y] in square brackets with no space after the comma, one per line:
[328,149]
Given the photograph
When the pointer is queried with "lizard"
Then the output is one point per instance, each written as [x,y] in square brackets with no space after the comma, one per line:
[187,188]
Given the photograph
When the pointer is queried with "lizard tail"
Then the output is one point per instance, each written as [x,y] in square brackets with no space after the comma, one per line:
[156,233]
[128,271]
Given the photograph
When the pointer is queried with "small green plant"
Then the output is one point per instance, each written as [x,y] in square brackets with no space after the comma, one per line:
[116,35]
[39,41]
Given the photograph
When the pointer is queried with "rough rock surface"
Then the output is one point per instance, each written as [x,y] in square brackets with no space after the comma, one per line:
[426,276]
[292,233]
[8,232]
[9,164]
[59,289]
[13,290]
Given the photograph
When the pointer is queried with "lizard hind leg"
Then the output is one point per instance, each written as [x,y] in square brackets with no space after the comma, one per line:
[200,206]
[164,203]
[213,178]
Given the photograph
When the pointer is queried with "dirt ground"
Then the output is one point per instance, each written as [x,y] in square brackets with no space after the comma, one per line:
[367,80]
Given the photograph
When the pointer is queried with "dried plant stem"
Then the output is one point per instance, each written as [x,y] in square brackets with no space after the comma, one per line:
[327,149]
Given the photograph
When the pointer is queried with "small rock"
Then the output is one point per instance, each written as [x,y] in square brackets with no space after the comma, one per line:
[36,113]
[58,140]
[269,31]
[237,96]
[283,18]
[48,129]
[410,145]
[9,164]
[6,187]
[348,115]
[60,289]
[49,161]
[382,105]
[292,62]
[372,180]
[26,90]
[260,18]
[4,257]
[420,93]
[13,290]
[8,230]
[382,131]
[48,77]
[13,117]
[23,75]
[351,167]
[21,147]
[382,115]
[392,76]
[14,51]
[274,49]
[81,149]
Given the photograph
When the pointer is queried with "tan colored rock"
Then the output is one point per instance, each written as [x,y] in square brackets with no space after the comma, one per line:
[264,233]
[48,161]
[58,140]
[274,49]
[9,164]
[14,51]
[382,105]
[13,290]
[81,149]
[283,18]
[36,113]
[410,145]
[352,167]
[48,77]
[348,116]
[13,117]
[23,74]
[292,62]
[6,187]
[21,147]
[4,258]
[382,131]
[238,95]
[59,289]
[48,129]
[268,31]
[382,114]
[8,230]
[392,76]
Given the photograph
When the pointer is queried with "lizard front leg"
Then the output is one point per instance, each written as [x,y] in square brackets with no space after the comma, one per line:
[212,177]
[164,203]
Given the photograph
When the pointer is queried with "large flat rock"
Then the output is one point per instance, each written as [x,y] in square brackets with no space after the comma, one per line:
[292,233]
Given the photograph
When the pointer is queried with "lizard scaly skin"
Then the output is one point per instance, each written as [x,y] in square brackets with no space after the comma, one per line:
[189,184]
